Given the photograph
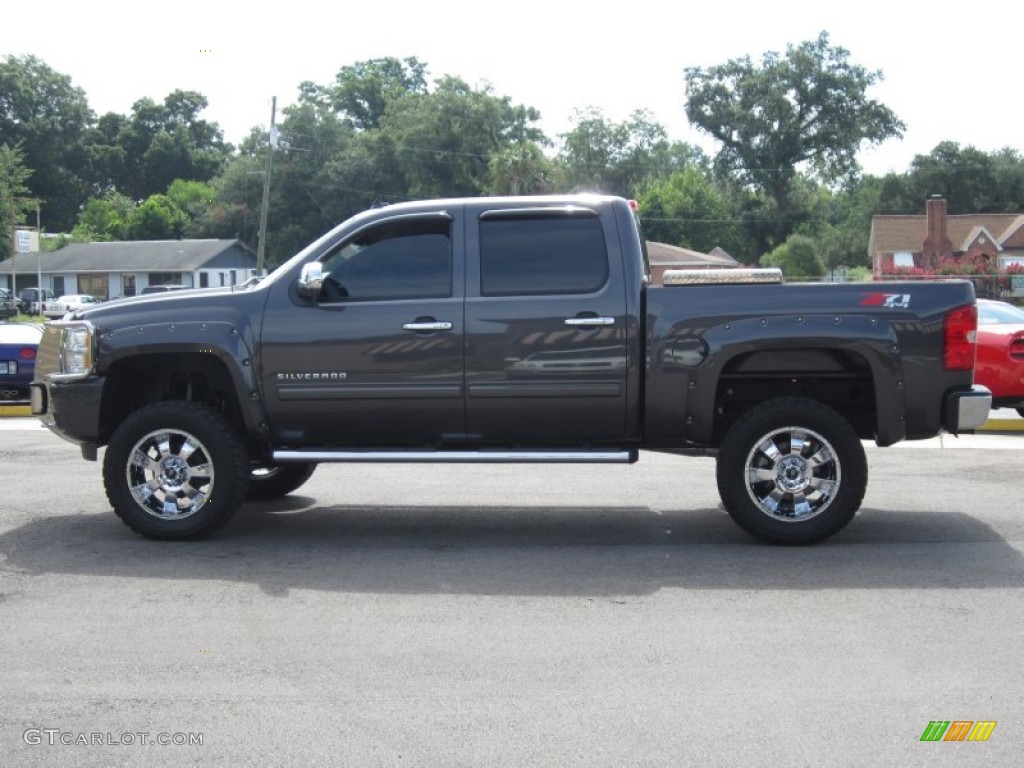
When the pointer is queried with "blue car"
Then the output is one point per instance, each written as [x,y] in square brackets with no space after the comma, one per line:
[18,345]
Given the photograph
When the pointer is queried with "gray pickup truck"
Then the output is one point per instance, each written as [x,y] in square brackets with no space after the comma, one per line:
[505,330]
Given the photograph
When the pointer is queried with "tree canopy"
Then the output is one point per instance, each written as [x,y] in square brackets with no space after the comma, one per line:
[13,175]
[45,116]
[806,110]
[972,181]
[797,258]
[142,153]
[381,131]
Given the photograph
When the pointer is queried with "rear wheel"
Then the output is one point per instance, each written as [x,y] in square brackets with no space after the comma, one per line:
[175,470]
[276,480]
[792,471]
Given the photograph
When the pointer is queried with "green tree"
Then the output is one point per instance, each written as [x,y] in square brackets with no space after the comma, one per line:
[519,169]
[808,109]
[193,198]
[688,210]
[797,258]
[445,138]
[972,181]
[104,218]
[846,226]
[236,197]
[157,218]
[13,175]
[140,155]
[45,116]
[361,92]
[599,155]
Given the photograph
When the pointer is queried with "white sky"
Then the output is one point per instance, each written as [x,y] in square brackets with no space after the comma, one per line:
[952,72]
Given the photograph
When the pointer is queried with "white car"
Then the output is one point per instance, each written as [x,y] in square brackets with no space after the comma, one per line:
[72,301]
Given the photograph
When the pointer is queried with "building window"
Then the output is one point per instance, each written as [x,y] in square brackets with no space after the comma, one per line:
[903,259]
[165,278]
[94,285]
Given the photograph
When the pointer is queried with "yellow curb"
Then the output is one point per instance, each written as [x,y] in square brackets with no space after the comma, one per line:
[1003,425]
[15,410]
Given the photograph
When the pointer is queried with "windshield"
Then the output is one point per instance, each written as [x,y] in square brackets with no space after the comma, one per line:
[991,313]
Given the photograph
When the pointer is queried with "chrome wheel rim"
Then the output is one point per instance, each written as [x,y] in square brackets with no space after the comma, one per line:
[170,474]
[793,474]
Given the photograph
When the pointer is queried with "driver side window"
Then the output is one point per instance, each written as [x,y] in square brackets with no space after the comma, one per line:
[401,259]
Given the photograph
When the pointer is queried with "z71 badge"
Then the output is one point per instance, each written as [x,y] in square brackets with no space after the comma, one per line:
[886,300]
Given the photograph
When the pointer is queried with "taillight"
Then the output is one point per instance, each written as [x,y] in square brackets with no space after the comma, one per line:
[1017,347]
[960,335]
[27,353]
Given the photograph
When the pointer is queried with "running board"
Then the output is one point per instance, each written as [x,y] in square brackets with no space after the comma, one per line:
[482,457]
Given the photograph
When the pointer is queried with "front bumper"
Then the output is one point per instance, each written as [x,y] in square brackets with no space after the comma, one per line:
[71,410]
[967,409]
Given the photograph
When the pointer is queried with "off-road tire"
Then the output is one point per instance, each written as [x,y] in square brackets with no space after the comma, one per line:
[792,471]
[175,470]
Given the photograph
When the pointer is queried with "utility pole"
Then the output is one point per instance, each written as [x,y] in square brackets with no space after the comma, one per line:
[271,145]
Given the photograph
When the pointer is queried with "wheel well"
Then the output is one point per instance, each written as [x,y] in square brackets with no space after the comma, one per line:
[838,378]
[137,381]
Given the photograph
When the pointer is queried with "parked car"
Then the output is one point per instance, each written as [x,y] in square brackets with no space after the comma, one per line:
[18,345]
[73,301]
[28,298]
[9,306]
[1000,361]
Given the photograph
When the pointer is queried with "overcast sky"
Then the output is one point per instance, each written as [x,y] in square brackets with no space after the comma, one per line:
[951,72]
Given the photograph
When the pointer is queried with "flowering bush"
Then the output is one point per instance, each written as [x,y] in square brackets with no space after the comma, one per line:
[984,272]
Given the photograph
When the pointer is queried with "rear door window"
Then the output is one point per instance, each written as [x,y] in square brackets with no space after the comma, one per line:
[542,254]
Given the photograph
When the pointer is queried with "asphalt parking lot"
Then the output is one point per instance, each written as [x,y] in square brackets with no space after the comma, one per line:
[472,615]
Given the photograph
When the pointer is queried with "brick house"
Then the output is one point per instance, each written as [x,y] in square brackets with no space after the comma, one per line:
[923,241]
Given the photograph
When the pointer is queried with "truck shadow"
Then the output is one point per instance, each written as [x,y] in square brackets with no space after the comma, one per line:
[294,544]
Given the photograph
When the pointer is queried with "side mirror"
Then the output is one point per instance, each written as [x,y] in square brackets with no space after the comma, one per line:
[311,280]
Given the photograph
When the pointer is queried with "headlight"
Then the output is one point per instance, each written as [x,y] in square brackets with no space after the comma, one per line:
[76,353]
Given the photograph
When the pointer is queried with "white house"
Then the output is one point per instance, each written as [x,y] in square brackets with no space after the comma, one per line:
[112,270]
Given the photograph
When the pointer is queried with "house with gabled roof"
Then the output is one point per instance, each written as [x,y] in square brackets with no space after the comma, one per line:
[112,270]
[924,241]
[663,257]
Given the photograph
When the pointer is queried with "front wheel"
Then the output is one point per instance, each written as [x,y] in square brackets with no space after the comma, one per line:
[792,471]
[175,470]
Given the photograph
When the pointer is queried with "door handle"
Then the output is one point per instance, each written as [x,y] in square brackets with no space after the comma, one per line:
[432,325]
[589,322]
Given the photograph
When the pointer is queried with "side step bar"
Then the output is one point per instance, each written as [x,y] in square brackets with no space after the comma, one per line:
[483,457]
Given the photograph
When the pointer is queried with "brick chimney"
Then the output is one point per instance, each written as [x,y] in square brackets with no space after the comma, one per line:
[937,244]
